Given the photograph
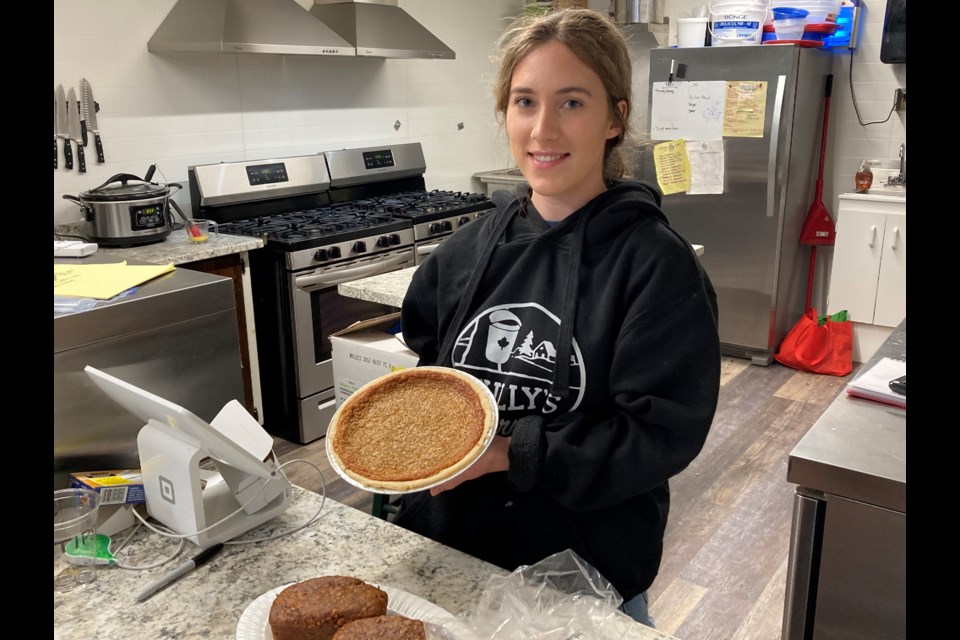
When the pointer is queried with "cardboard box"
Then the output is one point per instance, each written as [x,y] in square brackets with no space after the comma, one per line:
[115,487]
[365,351]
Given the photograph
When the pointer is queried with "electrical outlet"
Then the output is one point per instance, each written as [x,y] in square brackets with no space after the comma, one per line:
[900,100]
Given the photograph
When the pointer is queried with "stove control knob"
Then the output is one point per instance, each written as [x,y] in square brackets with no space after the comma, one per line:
[383,241]
[434,227]
[333,252]
[321,255]
[463,220]
[446,225]
[359,246]
[394,239]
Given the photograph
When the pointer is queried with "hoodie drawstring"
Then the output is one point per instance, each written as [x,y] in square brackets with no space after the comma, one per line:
[445,355]
[561,368]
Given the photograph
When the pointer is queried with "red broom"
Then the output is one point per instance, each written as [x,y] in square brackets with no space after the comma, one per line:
[818,227]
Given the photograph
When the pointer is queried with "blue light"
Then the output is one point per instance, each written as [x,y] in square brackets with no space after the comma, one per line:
[841,37]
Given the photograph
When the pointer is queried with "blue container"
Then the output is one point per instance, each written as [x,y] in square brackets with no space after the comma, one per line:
[786,13]
[841,37]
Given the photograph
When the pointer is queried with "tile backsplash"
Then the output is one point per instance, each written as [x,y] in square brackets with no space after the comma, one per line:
[181,109]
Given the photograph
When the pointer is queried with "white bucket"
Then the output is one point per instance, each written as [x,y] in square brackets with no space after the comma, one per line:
[691,32]
[737,23]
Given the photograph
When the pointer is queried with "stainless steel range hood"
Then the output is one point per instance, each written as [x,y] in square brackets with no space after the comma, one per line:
[371,28]
[246,26]
[380,29]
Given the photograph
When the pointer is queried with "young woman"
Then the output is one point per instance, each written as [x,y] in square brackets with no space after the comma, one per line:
[585,314]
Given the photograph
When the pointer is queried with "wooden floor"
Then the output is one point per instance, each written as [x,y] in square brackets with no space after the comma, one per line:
[724,566]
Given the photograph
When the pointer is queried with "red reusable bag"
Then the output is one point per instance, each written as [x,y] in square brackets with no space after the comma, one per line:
[823,345]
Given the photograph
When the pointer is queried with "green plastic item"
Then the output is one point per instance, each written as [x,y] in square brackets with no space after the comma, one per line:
[79,551]
[839,316]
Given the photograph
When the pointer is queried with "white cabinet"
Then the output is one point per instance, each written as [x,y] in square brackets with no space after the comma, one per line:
[869,273]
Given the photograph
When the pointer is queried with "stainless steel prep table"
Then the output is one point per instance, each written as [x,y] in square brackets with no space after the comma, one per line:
[223,254]
[847,568]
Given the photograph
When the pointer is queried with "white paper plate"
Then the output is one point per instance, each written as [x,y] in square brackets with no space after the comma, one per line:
[489,439]
[254,622]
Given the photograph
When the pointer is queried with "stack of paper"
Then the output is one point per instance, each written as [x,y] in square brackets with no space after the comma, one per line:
[874,383]
[102,281]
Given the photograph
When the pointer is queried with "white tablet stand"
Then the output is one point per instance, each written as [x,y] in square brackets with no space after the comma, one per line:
[187,496]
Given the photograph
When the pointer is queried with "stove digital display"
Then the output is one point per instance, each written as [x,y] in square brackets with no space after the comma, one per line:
[267,173]
[146,217]
[378,159]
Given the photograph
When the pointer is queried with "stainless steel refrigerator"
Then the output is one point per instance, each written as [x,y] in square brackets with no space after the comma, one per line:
[751,231]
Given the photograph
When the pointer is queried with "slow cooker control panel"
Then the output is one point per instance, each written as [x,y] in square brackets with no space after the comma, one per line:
[148,216]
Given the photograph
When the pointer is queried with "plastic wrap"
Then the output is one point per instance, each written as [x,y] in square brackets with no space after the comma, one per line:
[559,598]
[63,305]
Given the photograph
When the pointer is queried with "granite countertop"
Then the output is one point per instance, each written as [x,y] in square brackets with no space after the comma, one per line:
[390,288]
[174,249]
[858,448]
[209,602]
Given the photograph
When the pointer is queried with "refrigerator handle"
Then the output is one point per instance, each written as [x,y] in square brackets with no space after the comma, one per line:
[774,139]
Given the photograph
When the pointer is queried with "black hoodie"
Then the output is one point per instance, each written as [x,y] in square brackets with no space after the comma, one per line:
[621,298]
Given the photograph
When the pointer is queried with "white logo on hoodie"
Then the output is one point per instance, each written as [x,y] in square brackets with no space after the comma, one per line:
[512,349]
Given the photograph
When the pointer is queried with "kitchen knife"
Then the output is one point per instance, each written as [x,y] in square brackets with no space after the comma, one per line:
[90,116]
[56,151]
[73,112]
[83,123]
[63,128]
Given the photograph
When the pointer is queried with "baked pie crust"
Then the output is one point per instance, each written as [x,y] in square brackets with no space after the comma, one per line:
[411,429]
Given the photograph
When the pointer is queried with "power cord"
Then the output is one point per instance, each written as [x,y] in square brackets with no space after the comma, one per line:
[119,563]
[853,96]
[182,537]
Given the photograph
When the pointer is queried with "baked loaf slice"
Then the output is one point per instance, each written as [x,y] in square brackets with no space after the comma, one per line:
[391,627]
[314,609]
[412,428]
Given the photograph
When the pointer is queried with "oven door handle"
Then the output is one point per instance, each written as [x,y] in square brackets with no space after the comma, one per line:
[426,249]
[338,276]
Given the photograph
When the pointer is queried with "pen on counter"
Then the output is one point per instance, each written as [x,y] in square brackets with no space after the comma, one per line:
[180,571]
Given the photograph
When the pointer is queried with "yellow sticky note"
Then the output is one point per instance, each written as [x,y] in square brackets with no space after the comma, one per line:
[102,281]
[673,167]
[744,109]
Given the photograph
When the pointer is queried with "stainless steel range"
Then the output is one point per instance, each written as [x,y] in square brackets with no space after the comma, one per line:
[325,219]
[435,214]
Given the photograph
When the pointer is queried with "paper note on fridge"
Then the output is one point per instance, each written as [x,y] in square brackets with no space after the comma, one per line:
[691,110]
[745,109]
[706,166]
[102,281]
[673,169]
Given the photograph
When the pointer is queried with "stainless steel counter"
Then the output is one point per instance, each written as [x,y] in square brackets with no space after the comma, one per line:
[858,448]
[846,576]
[176,335]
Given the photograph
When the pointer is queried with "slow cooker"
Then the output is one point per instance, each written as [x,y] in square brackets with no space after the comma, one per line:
[126,210]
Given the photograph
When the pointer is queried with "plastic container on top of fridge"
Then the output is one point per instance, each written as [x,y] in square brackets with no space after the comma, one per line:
[818,10]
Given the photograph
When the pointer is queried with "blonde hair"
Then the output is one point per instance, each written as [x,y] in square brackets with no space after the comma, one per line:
[597,42]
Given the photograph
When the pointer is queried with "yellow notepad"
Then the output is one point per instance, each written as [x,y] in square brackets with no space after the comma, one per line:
[102,281]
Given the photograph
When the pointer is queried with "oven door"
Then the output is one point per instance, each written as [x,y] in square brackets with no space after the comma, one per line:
[319,311]
[426,247]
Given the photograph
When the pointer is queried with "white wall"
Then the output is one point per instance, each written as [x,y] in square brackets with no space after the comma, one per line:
[180,109]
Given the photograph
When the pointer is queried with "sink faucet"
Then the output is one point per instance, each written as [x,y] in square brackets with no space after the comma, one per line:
[901,177]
